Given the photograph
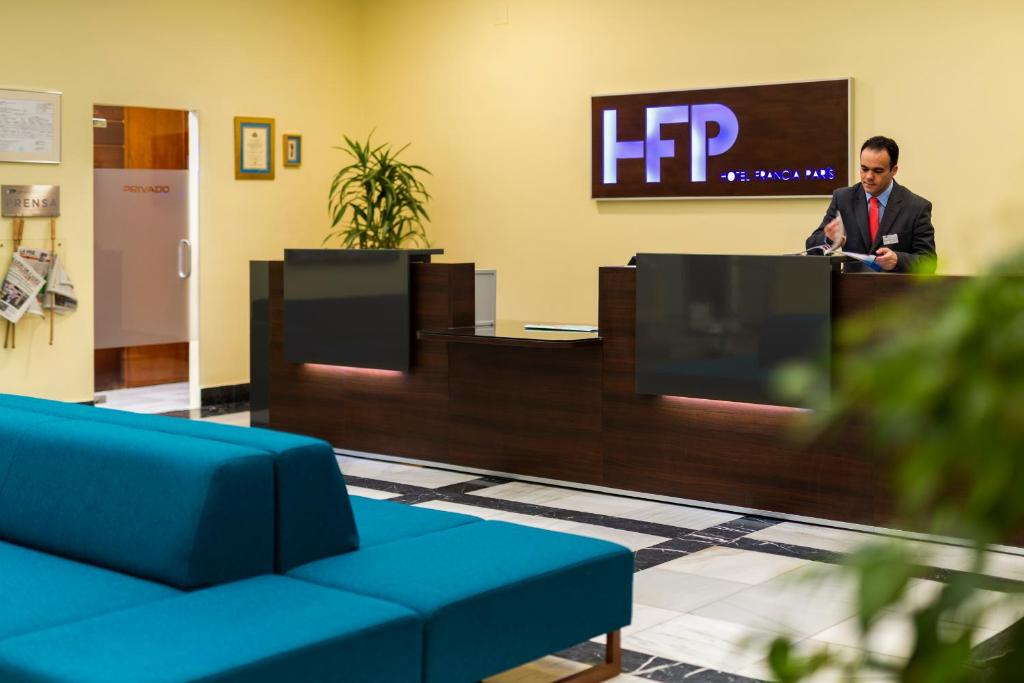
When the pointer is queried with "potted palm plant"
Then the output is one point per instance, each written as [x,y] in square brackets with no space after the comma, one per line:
[377,201]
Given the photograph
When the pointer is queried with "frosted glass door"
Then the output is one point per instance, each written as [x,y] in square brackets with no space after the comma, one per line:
[143,258]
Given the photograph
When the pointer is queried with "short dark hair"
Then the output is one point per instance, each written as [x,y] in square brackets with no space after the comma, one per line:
[880,142]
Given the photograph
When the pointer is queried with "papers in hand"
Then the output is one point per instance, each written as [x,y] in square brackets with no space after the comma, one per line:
[867,259]
[840,236]
[560,328]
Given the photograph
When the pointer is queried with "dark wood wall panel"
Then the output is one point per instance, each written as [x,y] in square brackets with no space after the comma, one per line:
[527,411]
[109,373]
[155,364]
[155,138]
[108,142]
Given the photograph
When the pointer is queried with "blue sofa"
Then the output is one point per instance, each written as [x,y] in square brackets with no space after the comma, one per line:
[143,548]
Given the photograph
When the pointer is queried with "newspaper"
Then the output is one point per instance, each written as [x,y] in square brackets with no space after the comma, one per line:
[49,265]
[19,288]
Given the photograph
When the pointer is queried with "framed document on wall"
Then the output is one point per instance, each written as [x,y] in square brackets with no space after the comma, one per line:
[30,126]
[292,150]
[254,148]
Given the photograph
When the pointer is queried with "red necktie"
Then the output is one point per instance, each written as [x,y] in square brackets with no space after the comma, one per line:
[873,217]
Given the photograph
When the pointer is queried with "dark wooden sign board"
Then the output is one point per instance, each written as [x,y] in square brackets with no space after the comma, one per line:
[791,140]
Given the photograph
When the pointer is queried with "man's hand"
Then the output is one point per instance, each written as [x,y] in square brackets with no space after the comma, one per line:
[886,258]
[834,234]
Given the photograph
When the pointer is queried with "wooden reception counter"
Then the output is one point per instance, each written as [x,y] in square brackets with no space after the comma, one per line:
[564,410]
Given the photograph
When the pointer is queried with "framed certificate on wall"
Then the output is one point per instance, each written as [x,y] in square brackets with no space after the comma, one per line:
[254,148]
[30,126]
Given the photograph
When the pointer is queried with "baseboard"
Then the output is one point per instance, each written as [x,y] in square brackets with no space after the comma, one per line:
[231,393]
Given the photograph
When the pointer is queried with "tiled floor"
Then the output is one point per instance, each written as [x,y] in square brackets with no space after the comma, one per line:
[711,588]
[162,398]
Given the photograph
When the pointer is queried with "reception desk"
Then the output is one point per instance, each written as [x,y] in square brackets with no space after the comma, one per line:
[565,409]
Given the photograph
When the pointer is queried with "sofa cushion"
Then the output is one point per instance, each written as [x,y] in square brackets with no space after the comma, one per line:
[492,595]
[381,521]
[181,511]
[268,629]
[39,590]
[313,515]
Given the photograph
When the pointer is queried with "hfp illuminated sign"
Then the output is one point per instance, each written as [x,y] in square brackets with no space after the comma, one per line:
[771,140]
[654,148]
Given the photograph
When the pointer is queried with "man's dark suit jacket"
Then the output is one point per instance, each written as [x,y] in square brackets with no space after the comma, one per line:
[907,216]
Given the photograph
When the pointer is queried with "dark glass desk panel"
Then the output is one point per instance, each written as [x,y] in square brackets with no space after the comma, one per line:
[511,332]
[347,307]
[719,327]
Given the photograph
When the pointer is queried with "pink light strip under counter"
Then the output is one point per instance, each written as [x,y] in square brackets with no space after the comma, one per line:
[732,406]
[352,371]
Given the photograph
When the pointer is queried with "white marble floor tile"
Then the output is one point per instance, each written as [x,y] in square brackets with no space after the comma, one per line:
[942,555]
[998,564]
[401,474]
[703,642]
[567,499]
[644,617]
[680,592]
[892,635]
[810,536]
[835,673]
[1005,565]
[607,504]
[161,398]
[371,493]
[997,610]
[734,564]
[1000,610]
[631,539]
[816,582]
[680,515]
[781,611]
[234,419]
[499,515]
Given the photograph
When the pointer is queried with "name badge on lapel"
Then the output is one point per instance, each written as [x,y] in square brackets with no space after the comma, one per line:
[890,239]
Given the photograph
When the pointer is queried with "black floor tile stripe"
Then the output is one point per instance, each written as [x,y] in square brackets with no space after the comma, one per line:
[457,494]
[651,667]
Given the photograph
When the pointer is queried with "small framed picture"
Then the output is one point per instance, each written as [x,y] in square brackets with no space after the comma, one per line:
[292,150]
[254,148]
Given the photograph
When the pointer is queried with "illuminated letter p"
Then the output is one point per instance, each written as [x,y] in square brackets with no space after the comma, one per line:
[700,146]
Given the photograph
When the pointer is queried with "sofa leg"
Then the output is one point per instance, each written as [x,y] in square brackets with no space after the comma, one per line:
[611,667]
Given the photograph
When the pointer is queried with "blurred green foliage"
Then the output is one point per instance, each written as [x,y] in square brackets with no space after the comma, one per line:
[938,381]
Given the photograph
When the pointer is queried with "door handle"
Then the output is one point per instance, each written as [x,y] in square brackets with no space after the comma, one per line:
[184,259]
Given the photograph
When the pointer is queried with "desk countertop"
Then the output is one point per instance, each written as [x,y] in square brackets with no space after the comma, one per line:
[511,333]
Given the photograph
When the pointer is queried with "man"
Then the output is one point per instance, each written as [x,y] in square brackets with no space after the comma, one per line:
[880,216]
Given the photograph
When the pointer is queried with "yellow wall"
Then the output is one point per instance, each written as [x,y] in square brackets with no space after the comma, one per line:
[500,114]
[295,62]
